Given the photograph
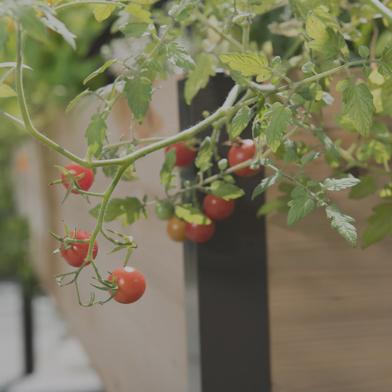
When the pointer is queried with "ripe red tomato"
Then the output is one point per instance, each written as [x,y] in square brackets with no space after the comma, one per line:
[199,233]
[241,152]
[185,155]
[217,208]
[176,229]
[131,284]
[84,177]
[76,253]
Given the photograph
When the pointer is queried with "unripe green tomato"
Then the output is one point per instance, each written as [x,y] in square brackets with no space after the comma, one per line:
[164,210]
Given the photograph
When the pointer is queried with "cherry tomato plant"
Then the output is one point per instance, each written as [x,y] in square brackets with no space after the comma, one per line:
[284,58]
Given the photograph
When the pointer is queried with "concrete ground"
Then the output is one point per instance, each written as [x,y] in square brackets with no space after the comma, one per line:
[60,362]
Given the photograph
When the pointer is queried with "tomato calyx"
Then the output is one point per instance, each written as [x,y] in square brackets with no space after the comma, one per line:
[130,283]
[74,248]
[75,178]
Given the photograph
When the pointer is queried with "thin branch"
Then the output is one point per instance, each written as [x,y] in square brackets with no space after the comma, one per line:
[382,8]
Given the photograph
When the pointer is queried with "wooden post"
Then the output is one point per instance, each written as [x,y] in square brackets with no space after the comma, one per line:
[226,284]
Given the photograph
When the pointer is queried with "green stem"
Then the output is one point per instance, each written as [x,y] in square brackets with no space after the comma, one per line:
[28,124]
[101,216]
[86,2]
[245,37]
[382,8]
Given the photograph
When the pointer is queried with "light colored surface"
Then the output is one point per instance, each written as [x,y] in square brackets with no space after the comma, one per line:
[60,363]
[11,347]
[331,306]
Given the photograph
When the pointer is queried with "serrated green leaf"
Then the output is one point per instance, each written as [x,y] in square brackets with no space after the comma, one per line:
[226,190]
[323,29]
[385,62]
[178,56]
[131,208]
[191,214]
[379,225]
[198,78]
[265,184]
[166,174]
[138,92]
[100,70]
[366,187]
[342,223]
[278,118]
[51,21]
[95,134]
[205,154]
[103,11]
[139,13]
[301,205]
[358,107]
[6,91]
[240,122]
[338,184]
[248,64]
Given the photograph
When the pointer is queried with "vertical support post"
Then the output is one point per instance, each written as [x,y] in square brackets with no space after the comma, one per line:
[28,328]
[227,285]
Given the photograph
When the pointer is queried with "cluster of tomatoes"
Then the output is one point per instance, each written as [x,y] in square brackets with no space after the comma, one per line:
[126,284]
[214,207]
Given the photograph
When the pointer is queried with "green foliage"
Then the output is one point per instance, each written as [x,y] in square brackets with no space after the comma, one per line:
[128,210]
[248,64]
[285,59]
[240,122]
[205,154]
[138,91]
[191,214]
[226,190]
[199,77]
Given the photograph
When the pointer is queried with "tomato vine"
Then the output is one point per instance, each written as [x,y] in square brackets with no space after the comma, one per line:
[277,93]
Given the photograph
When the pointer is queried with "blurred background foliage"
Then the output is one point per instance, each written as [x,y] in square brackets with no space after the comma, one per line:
[58,77]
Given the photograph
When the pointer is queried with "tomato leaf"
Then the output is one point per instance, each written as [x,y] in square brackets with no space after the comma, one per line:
[103,11]
[338,184]
[131,208]
[178,56]
[205,154]
[139,13]
[248,64]
[226,190]
[50,21]
[100,70]
[358,107]
[166,174]
[365,187]
[379,226]
[265,184]
[240,122]
[138,92]
[342,223]
[191,214]
[300,205]
[95,134]
[198,78]
[385,62]
[278,119]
